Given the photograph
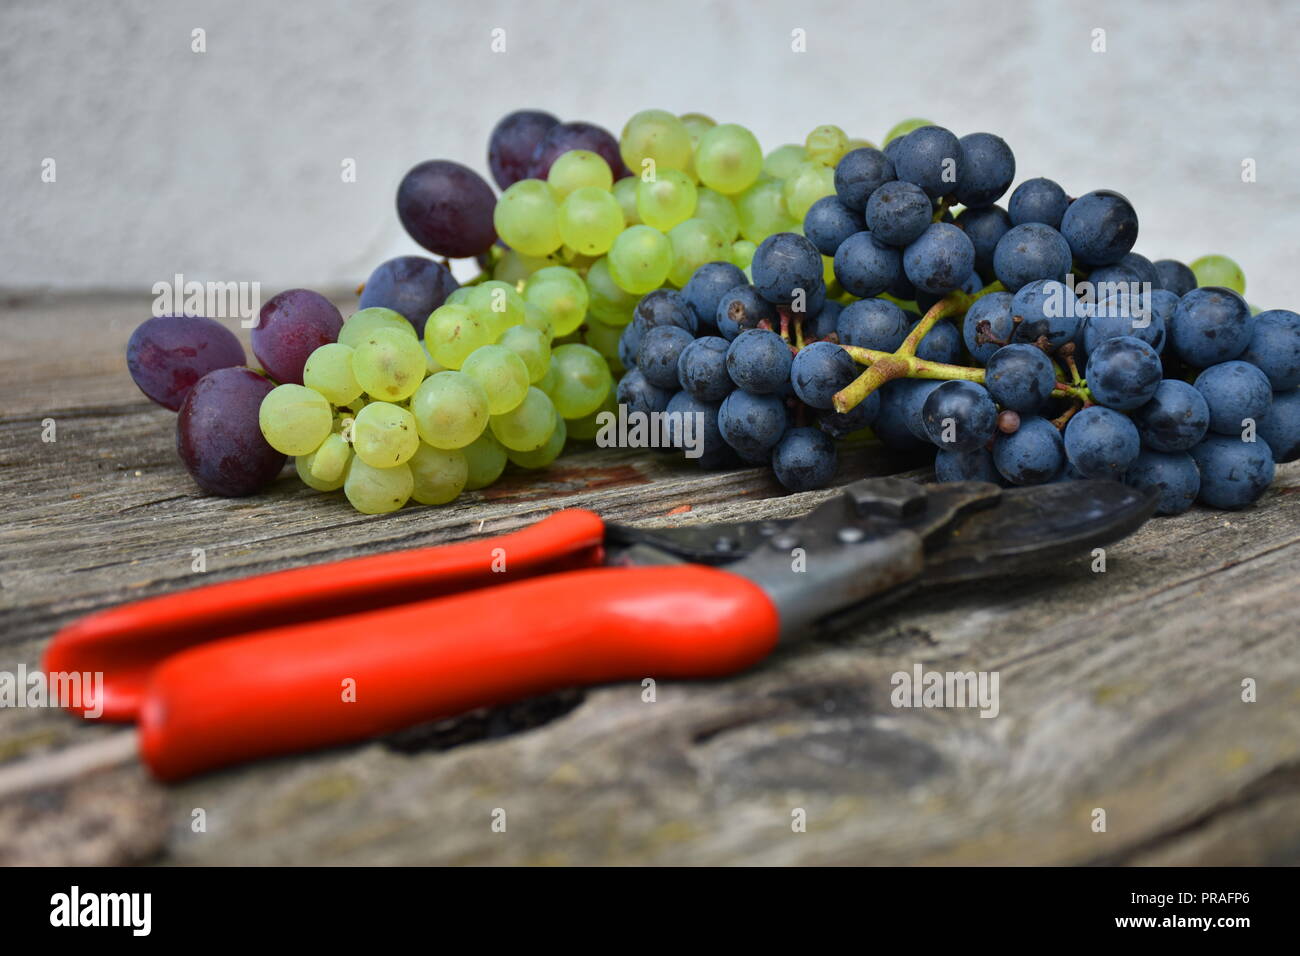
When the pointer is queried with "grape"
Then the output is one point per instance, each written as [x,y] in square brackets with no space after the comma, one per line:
[665,307]
[804,459]
[1173,477]
[384,435]
[762,211]
[987,169]
[514,266]
[940,260]
[528,427]
[697,124]
[290,327]
[501,372]
[719,210]
[450,409]
[640,259]
[1123,373]
[752,424]
[859,174]
[561,294]
[829,222]
[707,285]
[577,169]
[657,135]
[1038,200]
[410,285]
[1101,443]
[168,354]
[590,220]
[589,426]
[294,419]
[995,309]
[702,369]
[604,339]
[1032,454]
[873,324]
[757,360]
[361,324]
[742,253]
[1123,314]
[625,192]
[728,159]
[582,380]
[1211,325]
[742,308]
[538,320]
[826,145]
[568,136]
[447,208]
[660,350]
[326,468]
[1219,271]
[941,344]
[898,212]
[329,371]
[985,227]
[605,300]
[891,425]
[1233,392]
[512,143]
[809,182]
[1020,377]
[1174,276]
[497,303]
[1175,418]
[453,332]
[1275,347]
[438,475]
[636,392]
[1028,252]
[784,264]
[1100,227]
[528,218]
[218,436]
[541,457]
[931,157]
[976,465]
[694,242]
[1233,472]
[377,491]
[866,267]
[390,365]
[861,416]
[485,460]
[704,441]
[780,162]
[904,127]
[959,416]
[1281,426]
[532,348]
[1044,309]
[818,371]
[666,200]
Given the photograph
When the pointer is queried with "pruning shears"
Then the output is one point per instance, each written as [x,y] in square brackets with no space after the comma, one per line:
[328,654]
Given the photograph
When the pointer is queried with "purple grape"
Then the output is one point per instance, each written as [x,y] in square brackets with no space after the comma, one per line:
[168,354]
[447,208]
[218,437]
[290,327]
[411,285]
[566,136]
[513,140]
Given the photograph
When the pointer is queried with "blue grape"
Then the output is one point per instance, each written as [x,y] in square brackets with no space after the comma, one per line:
[825,323]
[873,324]
[1028,252]
[940,260]
[629,340]
[1100,226]
[665,307]
[1275,347]
[829,222]
[1114,278]
[1143,268]
[783,264]
[914,393]
[742,308]
[702,369]
[1280,427]
[995,309]
[941,344]
[1174,478]
[511,146]
[1038,200]
[860,416]
[636,392]
[804,459]
[866,267]
[1175,418]
[931,157]
[987,168]
[759,361]
[705,289]
[410,285]
[1174,277]
[568,136]
[985,227]
[974,465]
[661,347]
[1101,443]
[860,173]
[896,404]
[819,371]
[1143,318]
[972,284]
[1234,391]
[168,355]
[1123,373]
[1047,309]
[1031,455]
[1020,378]
[1211,325]
[752,424]
[898,212]
[1234,473]
[447,208]
[714,451]
[959,416]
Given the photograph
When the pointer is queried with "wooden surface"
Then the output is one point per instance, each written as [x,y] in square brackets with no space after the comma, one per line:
[1119,691]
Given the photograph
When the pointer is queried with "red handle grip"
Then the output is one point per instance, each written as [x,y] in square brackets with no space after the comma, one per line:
[128,642]
[285,690]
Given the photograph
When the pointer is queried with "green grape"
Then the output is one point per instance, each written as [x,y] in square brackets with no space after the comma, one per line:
[780,162]
[666,200]
[501,372]
[389,365]
[431,367]
[547,384]
[377,491]
[826,145]
[860,144]
[535,318]
[655,135]
[697,124]
[497,304]
[527,218]
[514,266]
[329,371]
[625,193]
[729,159]
[808,183]
[582,379]
[528,426]
[694,242]
[326,467]
[360,324]
[640,259]
[437,474]
[762,212]
[1220,271]
[588,427]
[541,457]
[453,331]
[590,219]
[742,253]
[561,294]
[384,435]
[605,300]
[719,210]
[604,339]
[486,459]
[295,419]
[905,127]
[450,409]
[577,169]
[533,349]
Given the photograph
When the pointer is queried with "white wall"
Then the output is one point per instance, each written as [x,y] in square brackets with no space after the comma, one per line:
[225,165]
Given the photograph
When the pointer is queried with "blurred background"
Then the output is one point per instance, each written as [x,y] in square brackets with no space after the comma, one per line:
[225,165]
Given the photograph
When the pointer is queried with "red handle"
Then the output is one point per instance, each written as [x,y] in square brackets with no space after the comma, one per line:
[127,643]
[285,690]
